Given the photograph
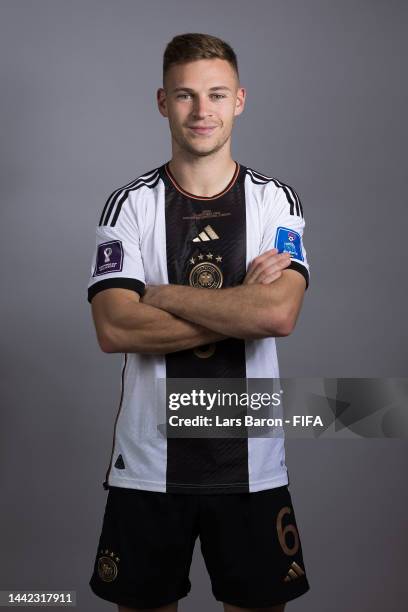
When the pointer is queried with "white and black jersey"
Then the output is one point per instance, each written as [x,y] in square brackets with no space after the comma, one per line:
[151,231]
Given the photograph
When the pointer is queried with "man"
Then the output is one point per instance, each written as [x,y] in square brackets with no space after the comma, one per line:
[199,264]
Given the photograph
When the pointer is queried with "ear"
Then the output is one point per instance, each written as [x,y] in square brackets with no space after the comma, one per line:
[240,101]
[162,102]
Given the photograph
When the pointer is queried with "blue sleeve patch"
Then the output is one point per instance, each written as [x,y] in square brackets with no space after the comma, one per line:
[290,241]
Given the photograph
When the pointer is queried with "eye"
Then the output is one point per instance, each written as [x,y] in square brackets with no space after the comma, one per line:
[217,96]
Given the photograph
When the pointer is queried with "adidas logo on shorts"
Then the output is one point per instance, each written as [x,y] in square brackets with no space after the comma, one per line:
[295,571]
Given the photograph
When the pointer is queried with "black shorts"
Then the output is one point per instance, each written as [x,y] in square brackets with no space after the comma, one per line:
[249,541]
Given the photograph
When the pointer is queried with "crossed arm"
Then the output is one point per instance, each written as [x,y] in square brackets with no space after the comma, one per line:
[171,318]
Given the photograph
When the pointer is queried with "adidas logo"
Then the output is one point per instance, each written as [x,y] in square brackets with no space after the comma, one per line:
[207,234]
[295,571]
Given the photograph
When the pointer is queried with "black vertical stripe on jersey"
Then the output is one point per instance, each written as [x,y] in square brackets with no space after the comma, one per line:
[206,465]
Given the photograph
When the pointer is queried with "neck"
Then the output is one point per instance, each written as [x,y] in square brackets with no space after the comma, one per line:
[202,176]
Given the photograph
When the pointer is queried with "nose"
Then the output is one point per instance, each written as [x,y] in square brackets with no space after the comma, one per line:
[201,107]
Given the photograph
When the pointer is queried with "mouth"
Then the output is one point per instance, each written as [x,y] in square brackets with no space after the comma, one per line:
[203,130]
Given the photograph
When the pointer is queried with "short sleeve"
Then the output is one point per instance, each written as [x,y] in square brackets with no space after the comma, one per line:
[284,225]
[117,259]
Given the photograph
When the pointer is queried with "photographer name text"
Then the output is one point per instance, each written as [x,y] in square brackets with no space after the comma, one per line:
[247,421]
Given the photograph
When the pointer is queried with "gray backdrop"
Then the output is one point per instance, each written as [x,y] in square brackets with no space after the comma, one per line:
[326,105]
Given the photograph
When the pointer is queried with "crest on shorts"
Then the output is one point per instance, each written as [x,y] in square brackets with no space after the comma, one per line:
[107,565]
[205,273]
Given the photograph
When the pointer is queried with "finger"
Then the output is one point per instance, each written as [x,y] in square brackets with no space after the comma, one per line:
[248,280]
[263,256]
[267,253]
[269,265]
[270,278]
[267,256]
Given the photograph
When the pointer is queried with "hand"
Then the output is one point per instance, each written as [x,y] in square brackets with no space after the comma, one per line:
[267,267]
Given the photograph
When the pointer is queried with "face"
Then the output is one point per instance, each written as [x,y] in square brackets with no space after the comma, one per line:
[201,100]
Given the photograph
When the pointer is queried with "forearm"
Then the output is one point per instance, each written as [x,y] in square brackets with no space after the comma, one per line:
[246,311]
[141,328]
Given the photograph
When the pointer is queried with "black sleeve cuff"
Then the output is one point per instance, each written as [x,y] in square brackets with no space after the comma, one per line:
[120,282]
[294,265]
